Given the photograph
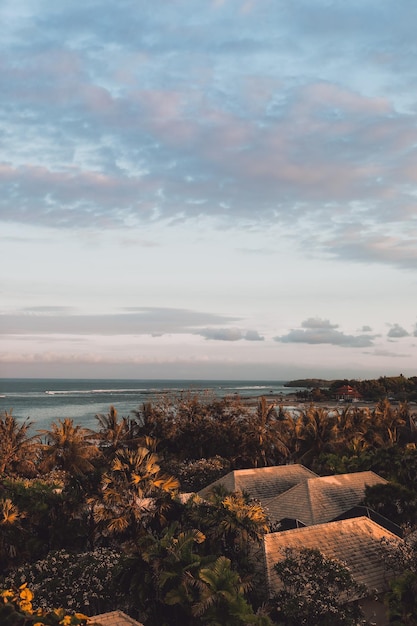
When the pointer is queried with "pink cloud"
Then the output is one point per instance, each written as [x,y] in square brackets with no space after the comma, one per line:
[165,114]
[324,94]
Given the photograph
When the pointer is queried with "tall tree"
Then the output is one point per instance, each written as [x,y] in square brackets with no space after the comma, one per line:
[231,522]
[133,493]
[10,532]
[315,433]
[18,450]
[115,433]
[263,436]
[68,447]
[222,599]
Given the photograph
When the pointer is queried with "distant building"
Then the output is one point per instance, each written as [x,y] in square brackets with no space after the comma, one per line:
[347,394]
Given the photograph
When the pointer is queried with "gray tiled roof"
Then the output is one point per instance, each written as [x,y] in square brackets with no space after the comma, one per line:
[114,618]
[262,483]
[356,542]
[321,499]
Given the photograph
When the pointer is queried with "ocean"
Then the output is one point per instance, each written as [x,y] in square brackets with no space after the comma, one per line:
[46,400]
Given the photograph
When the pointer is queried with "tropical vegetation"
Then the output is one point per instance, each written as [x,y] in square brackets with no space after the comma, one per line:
[94,520]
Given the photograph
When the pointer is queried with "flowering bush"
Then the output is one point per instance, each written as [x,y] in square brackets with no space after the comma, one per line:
[79,582]
[16,608]
[195,475]
[316,590]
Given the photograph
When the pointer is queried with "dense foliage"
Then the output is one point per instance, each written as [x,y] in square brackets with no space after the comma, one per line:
[77,581]
[16,609]
[95,521]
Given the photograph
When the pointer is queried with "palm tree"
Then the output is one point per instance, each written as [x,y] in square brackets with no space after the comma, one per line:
[222,598]
[391,422]
[10,531]
[175,564]
[115,433]
[263,436]
[351,430]
[134,492]
[69,448]
[9,513]
[315,432]
[231,522]
[17,450]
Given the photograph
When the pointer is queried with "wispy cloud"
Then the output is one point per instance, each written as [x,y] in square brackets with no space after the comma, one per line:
[123,115]
[146,320]
[388,354]
[229,168]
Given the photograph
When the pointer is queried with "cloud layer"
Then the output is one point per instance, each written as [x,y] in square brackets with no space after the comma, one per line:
[116,115]
[223,182]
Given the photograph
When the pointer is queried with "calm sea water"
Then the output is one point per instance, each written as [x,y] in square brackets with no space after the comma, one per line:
[47,400]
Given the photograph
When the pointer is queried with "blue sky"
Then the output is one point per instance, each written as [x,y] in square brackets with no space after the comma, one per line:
[208,189]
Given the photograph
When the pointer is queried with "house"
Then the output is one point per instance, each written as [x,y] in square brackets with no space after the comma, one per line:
[322,498]
[347,394]
[262,483]
[360,543]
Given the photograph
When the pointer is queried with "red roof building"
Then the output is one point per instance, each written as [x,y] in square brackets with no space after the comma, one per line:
[347,393]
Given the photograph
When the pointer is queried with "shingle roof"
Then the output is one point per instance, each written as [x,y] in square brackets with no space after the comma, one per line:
[262,483]
[321,499]
[356,542]
[114,618]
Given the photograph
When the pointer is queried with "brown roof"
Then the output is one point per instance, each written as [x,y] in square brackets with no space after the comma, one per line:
[262,483]
[356,542]
[114,618]
[321,499]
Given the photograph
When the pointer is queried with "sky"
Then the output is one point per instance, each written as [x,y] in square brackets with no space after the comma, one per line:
[208,189]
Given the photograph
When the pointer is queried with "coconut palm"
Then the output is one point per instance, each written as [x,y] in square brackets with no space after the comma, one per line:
[263,436]
[69,448]
[315,432]
[351,430]
[18,450]
[392,422]
[115,433]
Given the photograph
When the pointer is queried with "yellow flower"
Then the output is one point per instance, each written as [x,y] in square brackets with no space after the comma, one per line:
[26,594]
[7,594]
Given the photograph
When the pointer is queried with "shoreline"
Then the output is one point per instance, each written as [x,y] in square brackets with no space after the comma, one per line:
[291,401]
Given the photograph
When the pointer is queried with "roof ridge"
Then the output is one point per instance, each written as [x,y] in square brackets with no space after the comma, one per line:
[362,520]
[350,474]
[310,500]
[117,614]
